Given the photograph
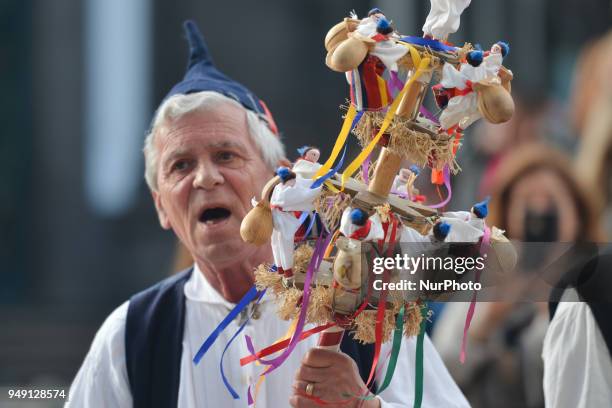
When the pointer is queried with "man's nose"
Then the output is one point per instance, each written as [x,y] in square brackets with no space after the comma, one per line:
[207,176]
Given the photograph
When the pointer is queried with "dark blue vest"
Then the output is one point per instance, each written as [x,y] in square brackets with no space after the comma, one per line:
[154,338]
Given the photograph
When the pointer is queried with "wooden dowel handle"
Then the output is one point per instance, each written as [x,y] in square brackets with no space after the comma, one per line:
[331,338]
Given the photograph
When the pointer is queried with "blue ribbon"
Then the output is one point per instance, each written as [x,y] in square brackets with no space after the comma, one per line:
[312,222]
[225,380]
[318,182]
[303,217]
[428,42]
[244,302]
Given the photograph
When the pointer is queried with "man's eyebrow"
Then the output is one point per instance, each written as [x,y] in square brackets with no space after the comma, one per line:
[174,154]
[226,144]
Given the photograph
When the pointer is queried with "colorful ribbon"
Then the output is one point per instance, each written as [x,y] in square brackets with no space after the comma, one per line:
[244,302]
[425,112]
[281,345]
[484,246]
[312,267]
[395,349]
[252,398]
[429,43]
[447,184]
[329,174]
[418,365]
[223,377]
[422,66]
[382,300]
[365,169]
[347,126]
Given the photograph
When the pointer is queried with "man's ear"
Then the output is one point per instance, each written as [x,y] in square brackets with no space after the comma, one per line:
[161,212]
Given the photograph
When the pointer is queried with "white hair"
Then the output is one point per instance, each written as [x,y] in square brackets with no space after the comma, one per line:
[270,147]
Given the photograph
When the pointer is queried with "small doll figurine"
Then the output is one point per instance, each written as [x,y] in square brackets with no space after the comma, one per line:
[357,227]
[376,30]
[455,93]
[500,47]
[468,226]
[307,164]
[289,198]
[356,224]
[413,243]
[309,153]
[403,184]
[475,90]
[494,58]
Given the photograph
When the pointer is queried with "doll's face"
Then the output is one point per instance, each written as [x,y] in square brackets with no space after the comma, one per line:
[496,49]
[313,155]
[404,174]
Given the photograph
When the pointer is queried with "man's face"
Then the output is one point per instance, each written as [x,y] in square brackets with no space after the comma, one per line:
[208,171]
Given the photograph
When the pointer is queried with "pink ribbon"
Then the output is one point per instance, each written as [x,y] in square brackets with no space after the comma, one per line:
[484,247]
[365,169]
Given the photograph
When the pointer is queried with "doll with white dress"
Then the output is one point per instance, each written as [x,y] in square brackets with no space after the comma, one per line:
[307,164]
[289,199]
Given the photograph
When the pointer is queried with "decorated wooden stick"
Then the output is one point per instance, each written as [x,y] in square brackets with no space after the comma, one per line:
[331,338]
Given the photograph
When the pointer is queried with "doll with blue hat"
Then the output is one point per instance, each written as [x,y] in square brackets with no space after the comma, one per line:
[307,164]
[290,198]
[357,224]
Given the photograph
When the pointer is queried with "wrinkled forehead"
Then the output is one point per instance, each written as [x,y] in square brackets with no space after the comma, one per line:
[220,123]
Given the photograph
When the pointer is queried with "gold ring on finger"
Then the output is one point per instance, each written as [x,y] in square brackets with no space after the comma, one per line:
[309,389]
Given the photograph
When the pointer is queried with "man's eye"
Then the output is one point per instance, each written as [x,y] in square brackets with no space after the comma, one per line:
[180,165]
[225,156]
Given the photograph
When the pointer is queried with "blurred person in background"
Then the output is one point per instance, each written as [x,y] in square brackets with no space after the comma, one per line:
[578,345]
[535,198]
[592,116]
[212,147]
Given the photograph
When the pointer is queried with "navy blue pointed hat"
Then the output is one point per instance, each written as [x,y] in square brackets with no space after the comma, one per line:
[202,75]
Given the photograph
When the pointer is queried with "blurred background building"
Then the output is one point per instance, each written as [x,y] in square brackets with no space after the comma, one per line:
[79,83]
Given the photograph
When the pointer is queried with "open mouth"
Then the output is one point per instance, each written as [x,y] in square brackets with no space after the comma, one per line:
[215,215]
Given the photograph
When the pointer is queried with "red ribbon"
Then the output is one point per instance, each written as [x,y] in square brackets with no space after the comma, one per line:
[281,345]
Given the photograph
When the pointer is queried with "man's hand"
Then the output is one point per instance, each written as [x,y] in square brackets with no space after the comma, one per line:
[334,375]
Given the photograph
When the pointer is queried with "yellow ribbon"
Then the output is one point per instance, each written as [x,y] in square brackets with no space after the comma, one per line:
[331,187]
[346,128]
[422,65]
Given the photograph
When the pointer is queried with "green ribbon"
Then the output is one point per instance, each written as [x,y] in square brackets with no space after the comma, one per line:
[418,366]
[397,344]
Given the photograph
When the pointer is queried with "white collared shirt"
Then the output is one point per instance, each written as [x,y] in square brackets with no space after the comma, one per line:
[102,379]
[577,364]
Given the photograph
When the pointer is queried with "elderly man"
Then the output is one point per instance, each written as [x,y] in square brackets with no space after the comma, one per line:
[212,146]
